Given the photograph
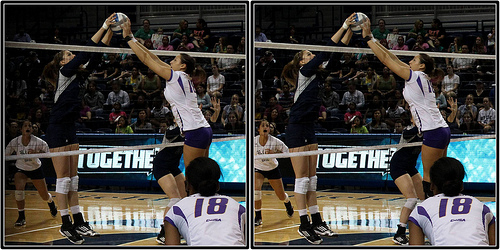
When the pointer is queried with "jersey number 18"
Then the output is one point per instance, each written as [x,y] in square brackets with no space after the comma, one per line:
[214,206]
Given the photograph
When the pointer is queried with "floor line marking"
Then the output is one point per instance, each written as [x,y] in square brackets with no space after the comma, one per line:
[35,230]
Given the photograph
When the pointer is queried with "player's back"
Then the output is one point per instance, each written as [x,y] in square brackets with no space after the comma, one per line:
[203,221]
[457,220]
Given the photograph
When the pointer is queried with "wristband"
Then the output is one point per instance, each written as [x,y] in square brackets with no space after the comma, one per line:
[105,26]
[374,40]
[367,38]
[345,26]
[127,38]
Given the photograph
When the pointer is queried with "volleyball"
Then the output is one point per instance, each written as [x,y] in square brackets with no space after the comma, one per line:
[359,18]
[120,18]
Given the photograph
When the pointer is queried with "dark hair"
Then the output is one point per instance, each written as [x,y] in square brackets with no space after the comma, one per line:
[429,64]
[51,70]
[190,63]
[202,21]
[438,22]
[203,175]
[447,175]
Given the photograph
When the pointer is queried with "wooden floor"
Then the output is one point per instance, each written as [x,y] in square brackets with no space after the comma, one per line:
[123,219]
[134,219]
[361,219]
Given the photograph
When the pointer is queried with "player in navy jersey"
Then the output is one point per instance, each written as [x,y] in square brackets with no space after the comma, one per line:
[180,92]
[304,73]
[27,143]
[419,94]
[450,218]
[68,73]
[205,218]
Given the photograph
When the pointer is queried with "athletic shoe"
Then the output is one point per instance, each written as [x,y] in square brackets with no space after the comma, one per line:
[400,239]
[258,222]
[53,209]
[289,208]
[309,234]
[86,230]
[323,230]
[20,222]
[161,236]
[71,235]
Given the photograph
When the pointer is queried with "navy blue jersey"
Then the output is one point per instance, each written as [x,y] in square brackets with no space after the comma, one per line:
[71,86]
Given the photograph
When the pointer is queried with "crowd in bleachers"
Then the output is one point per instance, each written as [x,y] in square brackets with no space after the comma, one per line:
[123,95]
[364,96]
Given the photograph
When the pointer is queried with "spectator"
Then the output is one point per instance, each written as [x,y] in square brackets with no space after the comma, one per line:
[259,109]
[357,127]
[148,44]
[118,95]
[241,46]
[353,95]
[440,97]
[277,119]
[437,48]
[329,98]
[479,94]
[185,45]
[159,112]
[369,80]
[142,125]
[21,36]
[16,87]
[234,125]
[140,104]
[202,46]
[12,132]
[229,67]
[145,32]
[122,126]
[486,116]
[201,32]
[157,38]
[374,104]
[219,47]
[451,117]
[450,82]
[57,39]
[259,36]
[268,70]
[181,30]
[348,67]
[420,45]
[273,104]
[132,83]
[462,65]
[436,32]
[351,112]
[454,47]
[386,84]
[418,29]
[48,95]
[377,125]
[392,38]
[37,131]
[467,107]
[380,32]
[235,107]
[212,115]
[393,112]
[399,126]
[215,82]
[94,99]
[491,41]
[469,125]
[112,67]
[292,37]
[37,105]
[41,118]
[272,129]
[203,98]
[19,110]
[165,44]
[150,85]
[285,97]
[85,116]
[400,44]
[116,113]
[479,47]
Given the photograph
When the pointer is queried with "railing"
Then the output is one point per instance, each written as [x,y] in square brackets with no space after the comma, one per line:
[384,10]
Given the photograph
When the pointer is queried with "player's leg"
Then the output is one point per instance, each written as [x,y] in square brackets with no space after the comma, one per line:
[196,144]
[41,187]
[191,153]
[405,185]
[20,183]
[277,185]
[429,156]
[259,180]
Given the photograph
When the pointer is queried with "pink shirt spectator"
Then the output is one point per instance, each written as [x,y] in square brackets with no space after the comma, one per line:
[114,115]
[404,47]
[169,47]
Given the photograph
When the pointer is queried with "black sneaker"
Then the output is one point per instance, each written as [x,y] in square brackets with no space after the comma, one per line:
[161,236]
[309,234]
[289,208]
[323,230]
[86,230]
[258,222]
[53,209]
[400,239]
[20,222]
[71,235]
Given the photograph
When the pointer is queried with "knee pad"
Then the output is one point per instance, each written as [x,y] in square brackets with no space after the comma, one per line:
[173,201]
[74,183]
[258,195]
[313,183]
[411,203]
[301,185]
[63,185]
[19,195]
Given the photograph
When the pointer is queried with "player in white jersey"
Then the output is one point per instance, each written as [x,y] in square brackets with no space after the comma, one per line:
[29,168]
[205,218]
[449,217]
[180,92]
[419,94]
[268,168]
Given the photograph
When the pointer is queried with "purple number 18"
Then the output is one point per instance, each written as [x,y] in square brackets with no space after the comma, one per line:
[215,206]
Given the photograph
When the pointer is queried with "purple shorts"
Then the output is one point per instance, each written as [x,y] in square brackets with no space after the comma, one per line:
[198,138]
[437,138]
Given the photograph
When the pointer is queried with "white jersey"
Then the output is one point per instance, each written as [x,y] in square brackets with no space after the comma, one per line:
[419,94]
[273,146]
[459,220]
[181,95]
[35,146]
[216,220]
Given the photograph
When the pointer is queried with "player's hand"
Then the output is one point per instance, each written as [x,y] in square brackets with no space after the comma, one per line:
[349,21]
[111,19]
[126,28]
[365,26]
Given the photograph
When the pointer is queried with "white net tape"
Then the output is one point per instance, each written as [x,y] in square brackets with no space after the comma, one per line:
[48,46]
[363,148]
[298,47]
[106,150]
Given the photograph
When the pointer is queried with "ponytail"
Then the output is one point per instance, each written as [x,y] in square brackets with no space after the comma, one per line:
[198,75]
[291,70]
[190,63]
[429,64]
[203,175]
[51,70]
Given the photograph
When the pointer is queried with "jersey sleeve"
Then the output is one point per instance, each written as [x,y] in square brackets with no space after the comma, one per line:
[11,148]
[43,146]
[173,77]
[311,67]
[81,58]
